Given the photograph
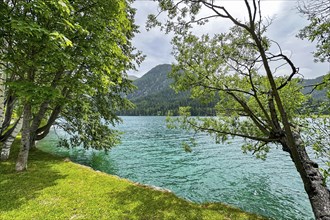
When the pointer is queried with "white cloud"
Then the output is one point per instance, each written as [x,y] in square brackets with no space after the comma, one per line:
[154,43]
[284,29]
[286,24]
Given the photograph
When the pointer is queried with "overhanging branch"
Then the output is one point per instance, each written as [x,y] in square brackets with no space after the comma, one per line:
[212,130]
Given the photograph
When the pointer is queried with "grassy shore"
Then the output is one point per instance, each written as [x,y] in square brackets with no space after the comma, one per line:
[54,188]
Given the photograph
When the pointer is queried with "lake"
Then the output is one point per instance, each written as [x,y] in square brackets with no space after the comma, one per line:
[152,154]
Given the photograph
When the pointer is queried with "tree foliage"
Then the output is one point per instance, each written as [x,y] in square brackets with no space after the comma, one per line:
[318,30]
[239,66]
[226,66]
[68,59]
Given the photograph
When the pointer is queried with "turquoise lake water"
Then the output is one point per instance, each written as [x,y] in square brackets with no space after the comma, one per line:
[152,154]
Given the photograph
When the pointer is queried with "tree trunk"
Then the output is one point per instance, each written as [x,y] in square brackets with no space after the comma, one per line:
[43,131]
[10,105]
[313,180]
[36,122]
[22,159]
[2,96]
[5,151]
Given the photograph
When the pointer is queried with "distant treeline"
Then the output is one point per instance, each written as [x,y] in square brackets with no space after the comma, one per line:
[156,106]
[155,97]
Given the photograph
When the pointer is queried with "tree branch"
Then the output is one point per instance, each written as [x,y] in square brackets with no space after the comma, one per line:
[225,15]
[258,100]
[250,13]
[259,123]
[233,134]
[293,68]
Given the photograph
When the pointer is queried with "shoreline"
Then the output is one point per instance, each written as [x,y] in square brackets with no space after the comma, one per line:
[56,188]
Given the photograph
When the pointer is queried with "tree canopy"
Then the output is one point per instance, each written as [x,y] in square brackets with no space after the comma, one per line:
[240,67]
[318,30]
[68,60]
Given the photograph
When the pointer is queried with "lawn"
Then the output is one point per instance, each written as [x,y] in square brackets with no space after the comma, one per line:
[55,188]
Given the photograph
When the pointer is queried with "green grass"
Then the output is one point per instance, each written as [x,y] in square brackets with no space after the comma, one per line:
[53,188]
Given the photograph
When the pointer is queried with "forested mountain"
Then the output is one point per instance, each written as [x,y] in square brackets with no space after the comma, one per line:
[154,96]
[309,84]
[153,82]
[317,96]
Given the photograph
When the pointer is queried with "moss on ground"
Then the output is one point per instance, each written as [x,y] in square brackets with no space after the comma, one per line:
[53,188]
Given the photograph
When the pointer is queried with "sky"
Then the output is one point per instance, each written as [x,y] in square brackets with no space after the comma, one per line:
[285,25]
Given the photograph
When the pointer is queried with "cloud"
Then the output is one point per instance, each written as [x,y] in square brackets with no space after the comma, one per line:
[286,24]
[155,44]
[284,29]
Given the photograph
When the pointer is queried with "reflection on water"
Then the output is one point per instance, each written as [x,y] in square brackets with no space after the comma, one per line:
[152,154]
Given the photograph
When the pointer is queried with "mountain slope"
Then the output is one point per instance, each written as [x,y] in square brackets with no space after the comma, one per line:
[155,97]
[152,82]
[316,94]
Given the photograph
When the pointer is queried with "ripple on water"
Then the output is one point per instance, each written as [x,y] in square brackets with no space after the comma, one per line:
[152,154]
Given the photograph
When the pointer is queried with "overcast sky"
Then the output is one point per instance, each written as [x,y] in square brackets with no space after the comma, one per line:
[286,24]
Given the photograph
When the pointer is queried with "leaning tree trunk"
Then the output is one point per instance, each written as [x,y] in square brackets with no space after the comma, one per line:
[313,180]
[2,97]
[22,159]
[317,191]
[43,131]
[5,151]
[10,105]
[36,123]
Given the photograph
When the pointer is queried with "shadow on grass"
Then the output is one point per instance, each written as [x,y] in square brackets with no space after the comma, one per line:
[122,200]
[18,188]
[151,204]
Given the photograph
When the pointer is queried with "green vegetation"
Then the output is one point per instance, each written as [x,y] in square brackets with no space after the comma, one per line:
[240,69]
[318,96]
[154,96]
[64,59]
[318,29]
[53,188]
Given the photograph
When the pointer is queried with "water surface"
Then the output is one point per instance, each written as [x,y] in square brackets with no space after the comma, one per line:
[152,154]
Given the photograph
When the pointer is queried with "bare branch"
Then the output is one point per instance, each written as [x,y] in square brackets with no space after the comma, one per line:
[264,139]
[225,15]
[250,13]
[255,11]
[201,19]
[279,47]
[293,68]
